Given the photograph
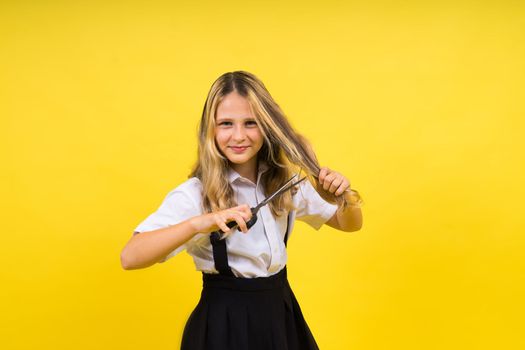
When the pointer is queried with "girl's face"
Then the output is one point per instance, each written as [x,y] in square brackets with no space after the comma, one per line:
[236,132]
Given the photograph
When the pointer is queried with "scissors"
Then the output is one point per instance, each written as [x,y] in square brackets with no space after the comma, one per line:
[287,185]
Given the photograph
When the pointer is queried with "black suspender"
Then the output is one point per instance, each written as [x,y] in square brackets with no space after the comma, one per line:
[220,256]
[287,225]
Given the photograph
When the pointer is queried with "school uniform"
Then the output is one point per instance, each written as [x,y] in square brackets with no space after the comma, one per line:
[246,300]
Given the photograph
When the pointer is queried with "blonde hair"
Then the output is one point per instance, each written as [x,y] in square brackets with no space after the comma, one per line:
[284,150]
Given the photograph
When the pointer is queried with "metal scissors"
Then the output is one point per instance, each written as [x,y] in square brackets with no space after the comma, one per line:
[287,185]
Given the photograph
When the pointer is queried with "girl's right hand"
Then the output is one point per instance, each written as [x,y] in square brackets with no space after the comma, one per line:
[215,221]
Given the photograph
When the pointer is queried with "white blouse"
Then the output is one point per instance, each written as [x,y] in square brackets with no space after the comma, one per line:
[258,253]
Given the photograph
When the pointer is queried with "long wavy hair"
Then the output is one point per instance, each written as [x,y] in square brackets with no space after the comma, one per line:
[284,150]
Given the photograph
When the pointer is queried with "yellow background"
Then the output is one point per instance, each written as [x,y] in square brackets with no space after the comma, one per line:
[420,105]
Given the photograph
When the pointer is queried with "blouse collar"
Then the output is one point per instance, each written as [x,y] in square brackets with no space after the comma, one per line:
[233,175]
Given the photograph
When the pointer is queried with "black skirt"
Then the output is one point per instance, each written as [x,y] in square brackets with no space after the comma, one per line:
[237,313]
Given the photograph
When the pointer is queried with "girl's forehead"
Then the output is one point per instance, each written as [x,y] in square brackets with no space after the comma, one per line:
[231,112]
[235,103]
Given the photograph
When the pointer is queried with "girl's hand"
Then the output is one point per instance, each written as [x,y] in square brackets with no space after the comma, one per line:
[211,222]
[333,181]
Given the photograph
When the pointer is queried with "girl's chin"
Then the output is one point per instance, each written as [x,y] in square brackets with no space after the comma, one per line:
[238,159]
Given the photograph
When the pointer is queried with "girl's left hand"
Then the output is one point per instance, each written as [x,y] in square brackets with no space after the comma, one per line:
[333,182]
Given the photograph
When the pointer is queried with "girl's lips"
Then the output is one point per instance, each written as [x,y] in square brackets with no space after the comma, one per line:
[238,149]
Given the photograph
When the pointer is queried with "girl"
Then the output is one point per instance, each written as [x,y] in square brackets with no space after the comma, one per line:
[247,150]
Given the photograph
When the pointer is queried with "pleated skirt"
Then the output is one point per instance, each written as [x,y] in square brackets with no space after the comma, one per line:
[247,314]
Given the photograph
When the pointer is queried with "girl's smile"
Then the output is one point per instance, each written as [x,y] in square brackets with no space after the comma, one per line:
[238,149]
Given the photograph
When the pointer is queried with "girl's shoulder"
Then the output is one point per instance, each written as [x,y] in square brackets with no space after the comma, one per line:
[190,190]
[193,184]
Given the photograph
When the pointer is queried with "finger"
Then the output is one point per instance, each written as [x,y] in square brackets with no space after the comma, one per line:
[328,180]
[221,222]
[247,211]
[244,208]
[322,174]
[343,187]
[335,184]
[240,222]
[246,215]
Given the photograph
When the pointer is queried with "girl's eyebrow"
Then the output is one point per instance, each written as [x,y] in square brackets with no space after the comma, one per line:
[220,119]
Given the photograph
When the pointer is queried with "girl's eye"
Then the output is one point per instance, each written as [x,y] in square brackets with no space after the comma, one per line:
[249,123]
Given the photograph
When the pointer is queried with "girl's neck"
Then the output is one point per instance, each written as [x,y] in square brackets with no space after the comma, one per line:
[247,170]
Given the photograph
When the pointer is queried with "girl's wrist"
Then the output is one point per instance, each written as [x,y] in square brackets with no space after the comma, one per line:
[202,223]
[195,224]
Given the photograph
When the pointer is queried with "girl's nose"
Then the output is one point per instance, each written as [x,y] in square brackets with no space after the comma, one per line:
[239,133]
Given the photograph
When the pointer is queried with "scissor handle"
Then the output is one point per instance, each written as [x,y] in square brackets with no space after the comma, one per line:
[251,222]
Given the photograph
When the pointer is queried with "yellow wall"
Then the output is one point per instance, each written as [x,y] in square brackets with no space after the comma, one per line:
[419,105]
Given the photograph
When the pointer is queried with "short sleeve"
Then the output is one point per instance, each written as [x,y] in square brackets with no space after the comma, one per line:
[178,206]
[311,207]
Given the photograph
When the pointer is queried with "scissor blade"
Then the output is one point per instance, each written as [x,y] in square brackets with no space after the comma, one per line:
[294,184]
[284,188]
[280,190]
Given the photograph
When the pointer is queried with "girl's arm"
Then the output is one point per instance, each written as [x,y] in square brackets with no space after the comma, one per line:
[148,248]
